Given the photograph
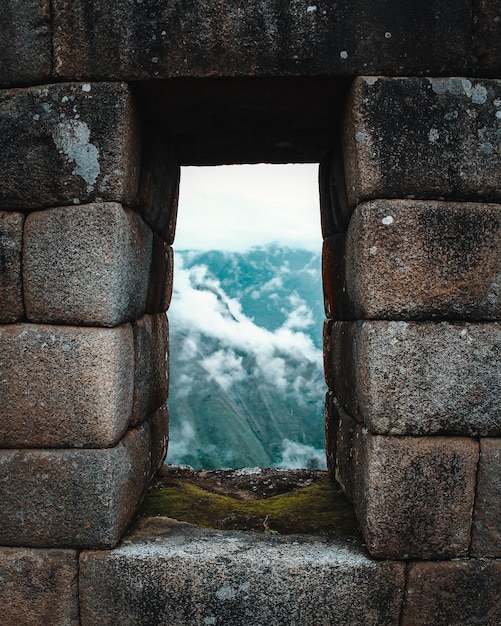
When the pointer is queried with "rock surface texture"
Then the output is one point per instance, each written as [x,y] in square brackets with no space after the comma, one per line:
[401,103]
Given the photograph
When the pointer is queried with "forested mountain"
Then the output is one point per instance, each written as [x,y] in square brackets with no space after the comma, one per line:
[247,384]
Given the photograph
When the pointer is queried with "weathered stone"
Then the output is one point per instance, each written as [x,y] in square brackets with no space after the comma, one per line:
[414,495]
[486,41]
[167,572]
[345,441]
[64,387]
[333,278]
[11,284]
[418,378]
[161,276]
[324,187]
[341,360]
[38,587]
[423,138]
[67,144]
[331,427]
[86,265]
[223,38]
[72,498]
[158,192]
[486,539]
[25,42]
[159,429]
[453,594]
[151,352]
[411,259]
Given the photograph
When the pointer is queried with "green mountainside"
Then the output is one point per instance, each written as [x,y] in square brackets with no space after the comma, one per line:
[246,384]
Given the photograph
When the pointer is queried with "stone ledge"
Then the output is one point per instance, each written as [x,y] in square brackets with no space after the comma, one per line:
[168,572]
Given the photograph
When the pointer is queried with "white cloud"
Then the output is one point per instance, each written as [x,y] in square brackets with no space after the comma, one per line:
[236,207]
[296,455]
[180,441]
[225,367]
[287,357]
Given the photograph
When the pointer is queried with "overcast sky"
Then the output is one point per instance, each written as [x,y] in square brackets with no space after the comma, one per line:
[235,207]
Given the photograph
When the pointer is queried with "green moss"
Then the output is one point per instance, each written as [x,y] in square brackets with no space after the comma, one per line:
[318,508]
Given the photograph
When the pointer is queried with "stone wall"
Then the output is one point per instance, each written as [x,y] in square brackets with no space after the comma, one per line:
[99,104]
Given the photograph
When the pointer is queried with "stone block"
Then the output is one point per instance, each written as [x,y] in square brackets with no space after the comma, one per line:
[453,594]
[11,284]
[324,187]
[345,441]
[73,498]
[25,42]
[38,587]
[341,360]
[331,427]
[151,353]
[423,138]
[86,265]
[67,144]
[418,378]
[123,40]
[64,387]
[413,496]
[486,540]
[333,278]
[486,41]
[159,429]
[158,193]
[161,276]
[172,573]
[334,208]
[411,259]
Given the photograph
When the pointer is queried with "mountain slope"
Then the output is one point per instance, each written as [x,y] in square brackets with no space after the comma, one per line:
[246,365]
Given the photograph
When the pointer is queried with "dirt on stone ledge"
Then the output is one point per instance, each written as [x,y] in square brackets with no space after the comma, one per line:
[246,483]
[261,499]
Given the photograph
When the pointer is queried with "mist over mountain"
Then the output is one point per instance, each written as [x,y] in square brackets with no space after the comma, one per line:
[246,382]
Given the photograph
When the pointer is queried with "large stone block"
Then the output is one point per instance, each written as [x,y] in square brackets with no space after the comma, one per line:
[73,498]
[423,138]
[453,594]
[128,40]
[38,587]
[486,42]
[161,276]
[336,303]
[158,193]
[86,265]
[418,378]
[414,496]
[151,353]
[25,42]
[486,539]
[159,429]
[67,144]
[410,259]
[345,453]
[172,573]
[11,284]
[64,387]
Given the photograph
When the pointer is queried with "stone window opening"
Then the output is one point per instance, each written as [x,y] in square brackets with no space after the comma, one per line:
[246,379]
